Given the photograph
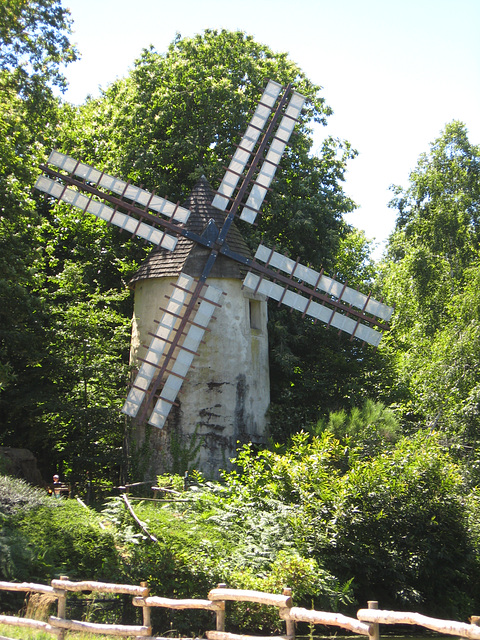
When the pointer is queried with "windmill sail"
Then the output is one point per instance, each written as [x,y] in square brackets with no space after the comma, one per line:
[324,283]
[247,145]
[183,361]
[151,367]
[341,297]
[272,160]
[104,212]
[120,187]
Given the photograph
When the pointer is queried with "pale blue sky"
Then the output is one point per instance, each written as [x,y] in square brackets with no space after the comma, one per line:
[394,71]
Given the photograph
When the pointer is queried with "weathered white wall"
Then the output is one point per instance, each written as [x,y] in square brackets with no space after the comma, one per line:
[225,397]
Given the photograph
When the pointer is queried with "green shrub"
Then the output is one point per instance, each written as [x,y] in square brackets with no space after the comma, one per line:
[42,537]
[400,528]
[17,495]
[226,534]
[67,540]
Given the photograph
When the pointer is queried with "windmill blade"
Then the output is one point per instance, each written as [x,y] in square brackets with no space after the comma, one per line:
[245,149]
[187,350]
[272,160]
[313,309]
[331,286]
[342,298]
[104,212]
[120,187]
[149,368]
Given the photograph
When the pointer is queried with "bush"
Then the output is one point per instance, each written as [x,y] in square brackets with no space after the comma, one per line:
[43,537]
[17,495]
[400,528]
[232,534]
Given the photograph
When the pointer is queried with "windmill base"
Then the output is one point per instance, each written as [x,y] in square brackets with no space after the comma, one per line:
[208,447]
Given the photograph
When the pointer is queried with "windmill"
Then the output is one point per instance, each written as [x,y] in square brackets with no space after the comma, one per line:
[194,301]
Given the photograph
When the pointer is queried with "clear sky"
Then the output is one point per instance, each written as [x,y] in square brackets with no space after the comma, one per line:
[394,71]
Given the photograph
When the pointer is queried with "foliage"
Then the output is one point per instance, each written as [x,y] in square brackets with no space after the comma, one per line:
[34,634]
[63,541]
[431,271]
[22,313]
[400,528]
[43,537]
[398,525]
[171,481]
[365,430]
[340,529]
[64,324]
[16,495]
[394,522]
[34,44]
[185,455]
[218,538]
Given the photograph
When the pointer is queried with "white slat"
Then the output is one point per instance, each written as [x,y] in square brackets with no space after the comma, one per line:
[182,364]
[312,309]
[245,149]
[149,369]
[274,155]
[142,197]
[104,212]
[328,285]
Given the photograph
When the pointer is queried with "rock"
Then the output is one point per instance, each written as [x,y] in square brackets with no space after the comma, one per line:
[20,463]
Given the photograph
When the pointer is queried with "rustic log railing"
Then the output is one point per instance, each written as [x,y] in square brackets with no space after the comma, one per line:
[366,624]
[445,627]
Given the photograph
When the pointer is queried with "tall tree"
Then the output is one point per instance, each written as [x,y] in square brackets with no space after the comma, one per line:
[431,267]
[34,44]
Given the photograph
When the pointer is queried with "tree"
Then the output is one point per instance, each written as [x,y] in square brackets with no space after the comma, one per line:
[437,231]
[34,44]
[396,526]
[430,271]
[39,368]
[367,430]
[21,315]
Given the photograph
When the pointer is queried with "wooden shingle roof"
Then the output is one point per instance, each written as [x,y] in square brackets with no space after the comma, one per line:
[190,257]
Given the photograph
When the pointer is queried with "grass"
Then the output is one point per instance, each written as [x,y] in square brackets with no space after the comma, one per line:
[10,631]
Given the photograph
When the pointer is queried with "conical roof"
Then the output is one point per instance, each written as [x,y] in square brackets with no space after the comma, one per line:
[189,256]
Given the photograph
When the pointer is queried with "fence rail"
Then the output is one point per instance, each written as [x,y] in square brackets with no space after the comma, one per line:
[447,627]
[366,624]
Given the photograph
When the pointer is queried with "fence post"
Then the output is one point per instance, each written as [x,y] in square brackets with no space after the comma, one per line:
[289,624]
[375,627]
[146,610]
[62,608]
[220,613]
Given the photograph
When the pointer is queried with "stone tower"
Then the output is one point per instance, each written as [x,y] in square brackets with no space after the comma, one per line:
[225,396]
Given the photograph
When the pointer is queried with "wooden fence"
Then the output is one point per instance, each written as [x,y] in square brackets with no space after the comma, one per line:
[366,624]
